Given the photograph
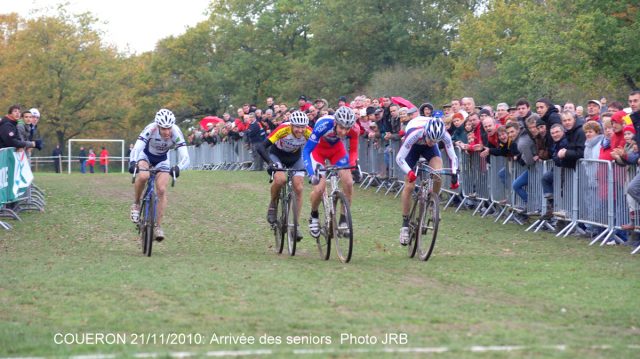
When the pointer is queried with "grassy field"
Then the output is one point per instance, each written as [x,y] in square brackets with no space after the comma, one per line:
[77,268]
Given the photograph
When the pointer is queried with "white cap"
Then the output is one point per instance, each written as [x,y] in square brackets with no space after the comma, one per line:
[34,111]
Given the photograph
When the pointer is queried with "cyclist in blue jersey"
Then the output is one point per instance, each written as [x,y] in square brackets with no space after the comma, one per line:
[151,150]
[421,140]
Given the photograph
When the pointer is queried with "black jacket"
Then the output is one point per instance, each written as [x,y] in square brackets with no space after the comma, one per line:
[575,146]
[635,119]
[9,136]
[551,116]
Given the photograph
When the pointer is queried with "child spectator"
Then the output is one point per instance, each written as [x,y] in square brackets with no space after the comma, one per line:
[459,135]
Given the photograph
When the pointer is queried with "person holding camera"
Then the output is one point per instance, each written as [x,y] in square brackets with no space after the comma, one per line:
[151,149]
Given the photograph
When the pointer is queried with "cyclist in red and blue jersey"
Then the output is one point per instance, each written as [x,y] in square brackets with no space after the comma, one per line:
[421,140]
[325,144]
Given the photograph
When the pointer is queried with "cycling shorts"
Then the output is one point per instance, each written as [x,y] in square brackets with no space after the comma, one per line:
[296,164]
[417,151]
[336,155]
[161,163]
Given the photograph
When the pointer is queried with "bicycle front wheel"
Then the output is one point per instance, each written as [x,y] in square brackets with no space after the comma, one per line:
[292,223]
[279,226]
[429,228]
[415,220]
[323,241]
[342,227]
[149,223]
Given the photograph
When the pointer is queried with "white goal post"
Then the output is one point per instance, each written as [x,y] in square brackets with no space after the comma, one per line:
[94,140]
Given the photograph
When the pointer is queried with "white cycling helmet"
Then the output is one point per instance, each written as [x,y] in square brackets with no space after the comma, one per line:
[165,118]
[299,118]
[345,117]
[34,111]
[434,129]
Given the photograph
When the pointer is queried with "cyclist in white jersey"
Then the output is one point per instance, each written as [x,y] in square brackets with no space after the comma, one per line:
[151,150]
[421,140]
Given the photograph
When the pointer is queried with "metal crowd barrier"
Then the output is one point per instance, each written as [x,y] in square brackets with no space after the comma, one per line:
[565,194]
[475,180]
[454,195]
[221,156]
[595,205]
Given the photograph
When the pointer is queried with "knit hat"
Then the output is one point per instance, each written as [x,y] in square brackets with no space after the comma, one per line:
[629,128]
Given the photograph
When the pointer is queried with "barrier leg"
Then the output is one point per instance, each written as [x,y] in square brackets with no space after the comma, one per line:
[606,234]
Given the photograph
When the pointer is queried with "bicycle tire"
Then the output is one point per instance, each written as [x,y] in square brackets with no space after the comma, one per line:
[414,224]
[427,241]
[343,239]
[278,228]
[292,223]
[149,226]
[142,227]
[323,242]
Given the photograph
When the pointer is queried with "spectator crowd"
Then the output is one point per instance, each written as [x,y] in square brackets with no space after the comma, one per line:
[526,132]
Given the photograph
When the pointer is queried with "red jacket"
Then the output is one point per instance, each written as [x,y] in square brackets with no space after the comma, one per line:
[104,154]
[92,159]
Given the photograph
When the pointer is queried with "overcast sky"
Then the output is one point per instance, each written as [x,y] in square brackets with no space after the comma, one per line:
[137,23]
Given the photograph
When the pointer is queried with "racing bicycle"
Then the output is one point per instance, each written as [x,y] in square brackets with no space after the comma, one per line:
[286,224]
[335,217]
[424,217]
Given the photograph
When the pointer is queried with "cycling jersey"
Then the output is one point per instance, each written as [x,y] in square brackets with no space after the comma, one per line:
[325,144]
[283,144]
[152,147]
[415,135]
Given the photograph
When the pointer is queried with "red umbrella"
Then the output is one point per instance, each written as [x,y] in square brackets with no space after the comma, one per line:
[210,119]
[402,102]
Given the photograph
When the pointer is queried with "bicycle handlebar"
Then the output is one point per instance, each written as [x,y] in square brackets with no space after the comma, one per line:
[152,171]
[442,171]
[274,170]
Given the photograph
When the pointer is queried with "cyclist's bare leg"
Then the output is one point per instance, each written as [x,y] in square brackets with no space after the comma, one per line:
[298,185]
[406,195]
[162,181]
[347,183]
[141,180]
[316,194]
[436,164]
[279,179]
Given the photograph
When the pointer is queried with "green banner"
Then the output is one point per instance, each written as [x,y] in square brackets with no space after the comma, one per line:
[15,174]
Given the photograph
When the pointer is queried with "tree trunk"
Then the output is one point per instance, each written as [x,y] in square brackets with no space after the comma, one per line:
[630,82]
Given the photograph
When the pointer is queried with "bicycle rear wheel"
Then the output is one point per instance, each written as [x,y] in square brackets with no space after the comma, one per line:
[279,226]
[292,223]
[342,232]
[149,224]
[429,228]
[323,241]
[415,219]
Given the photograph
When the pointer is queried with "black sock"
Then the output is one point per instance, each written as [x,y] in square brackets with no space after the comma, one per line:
[405,221]
[314,214]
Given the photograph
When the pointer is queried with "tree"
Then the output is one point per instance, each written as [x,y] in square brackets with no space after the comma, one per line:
[60,65]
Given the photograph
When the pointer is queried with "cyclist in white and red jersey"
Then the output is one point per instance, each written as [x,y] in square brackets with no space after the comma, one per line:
[325,144]
[282,149]
[151,150]
[421,140]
